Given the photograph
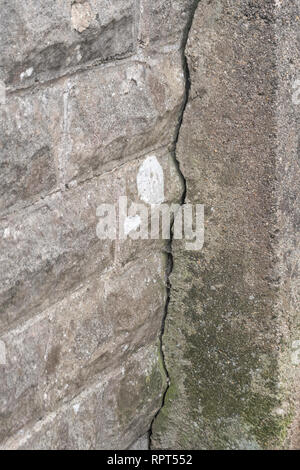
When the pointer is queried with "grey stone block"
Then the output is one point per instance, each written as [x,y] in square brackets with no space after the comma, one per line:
[109,414]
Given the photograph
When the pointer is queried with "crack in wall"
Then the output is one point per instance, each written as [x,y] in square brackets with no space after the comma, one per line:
[169,250]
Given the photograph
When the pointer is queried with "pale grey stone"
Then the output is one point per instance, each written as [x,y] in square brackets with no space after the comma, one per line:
[48,250]
[103,416]
[85,125]
[141,444]
[117,112]
[164,22]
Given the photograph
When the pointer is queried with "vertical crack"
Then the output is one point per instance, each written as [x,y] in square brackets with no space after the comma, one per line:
[182,201]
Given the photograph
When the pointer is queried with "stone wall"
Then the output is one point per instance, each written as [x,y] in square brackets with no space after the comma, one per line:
[93,89]
[104,343]
[232,337]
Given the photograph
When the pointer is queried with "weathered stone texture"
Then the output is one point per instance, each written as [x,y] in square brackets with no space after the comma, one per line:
[116,113]
[43,40]
[103,416]
[30,137]
[85,125]
[85,105]
[52,356]
[169,21]
[90,91]
[49,248]
[141,444]
[234,307]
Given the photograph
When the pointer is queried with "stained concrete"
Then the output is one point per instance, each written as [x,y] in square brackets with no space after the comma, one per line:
[232,324]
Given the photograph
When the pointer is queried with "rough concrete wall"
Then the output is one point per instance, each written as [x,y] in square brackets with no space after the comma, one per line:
[93,88]
[231,341]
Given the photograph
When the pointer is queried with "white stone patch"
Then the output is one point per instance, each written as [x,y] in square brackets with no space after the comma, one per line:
[6,233]
[131,224]
[76,408]
[150,181]
[27,73]
[295,356]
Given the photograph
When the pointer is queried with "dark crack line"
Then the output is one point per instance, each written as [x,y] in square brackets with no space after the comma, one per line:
[170,260]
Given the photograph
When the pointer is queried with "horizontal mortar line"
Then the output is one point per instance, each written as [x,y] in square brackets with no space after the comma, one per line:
[110,62]
[135,56]
[42,200]
[34,204]
[131,158]
[21,322]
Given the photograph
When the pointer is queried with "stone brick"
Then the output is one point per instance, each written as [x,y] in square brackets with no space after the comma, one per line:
[31,136]
[98,327]
[49,39]
[91,95]
[110,414]
[117,112]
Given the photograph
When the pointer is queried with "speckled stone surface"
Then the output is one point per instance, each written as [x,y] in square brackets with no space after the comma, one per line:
[232,331]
